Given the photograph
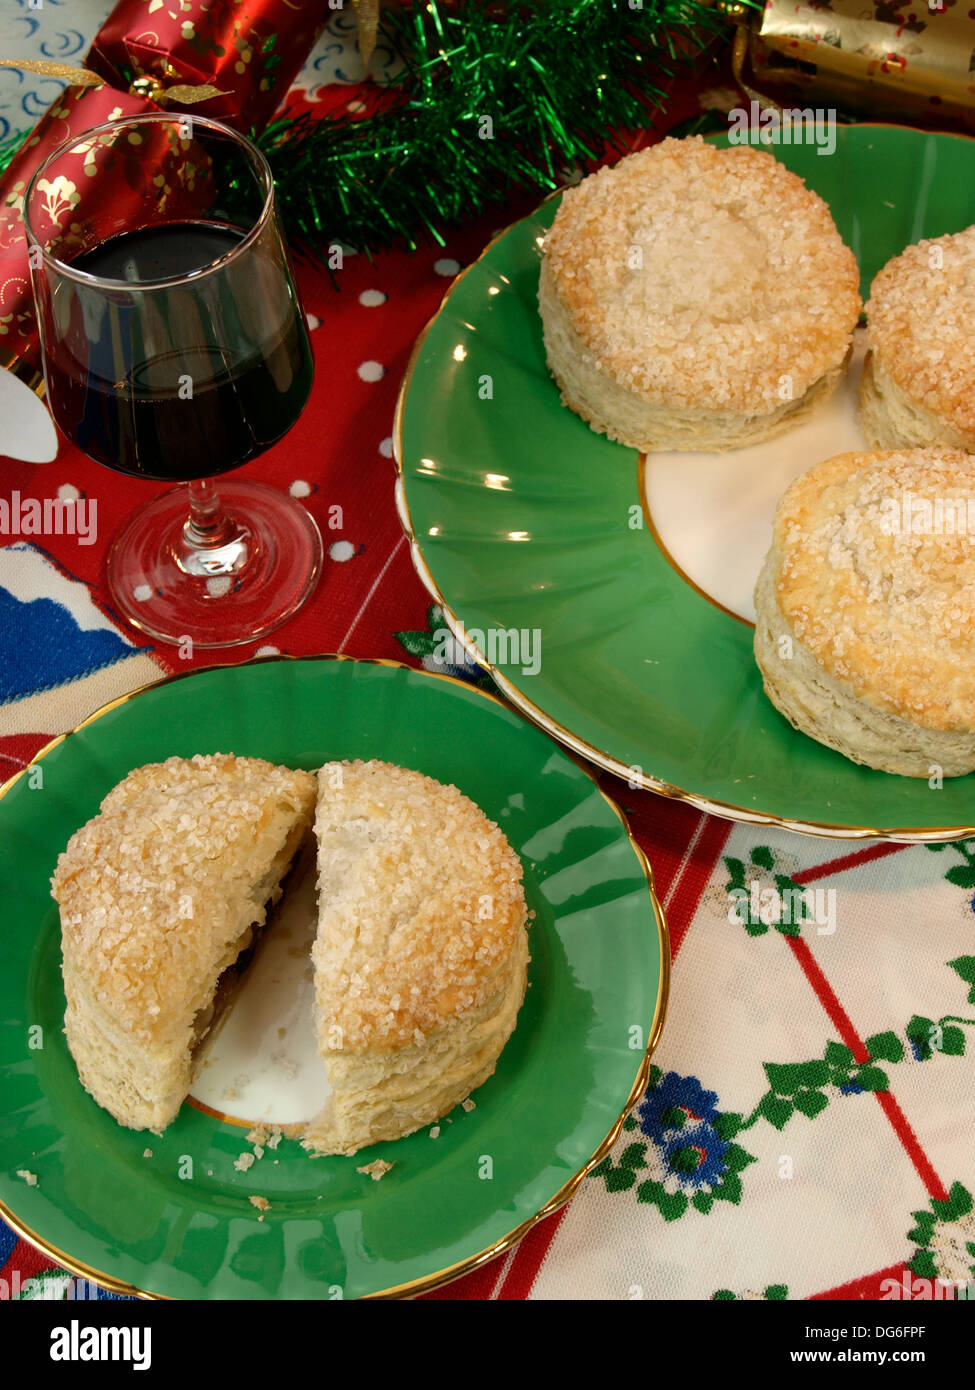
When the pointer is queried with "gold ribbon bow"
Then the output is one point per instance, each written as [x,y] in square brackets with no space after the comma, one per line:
[152,88]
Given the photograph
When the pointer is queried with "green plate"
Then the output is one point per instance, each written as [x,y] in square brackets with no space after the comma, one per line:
[577,1060]
[519,518]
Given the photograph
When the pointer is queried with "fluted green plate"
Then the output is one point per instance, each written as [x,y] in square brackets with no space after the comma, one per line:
[520,520]
[177,1221]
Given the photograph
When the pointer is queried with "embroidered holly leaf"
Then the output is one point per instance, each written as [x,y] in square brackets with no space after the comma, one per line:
[728,1190]
[927,1219]
[776,1111]
[873,1079]
[777,1291]
[629,1122]
[702,1202]
[923,1265]
[965,967]
[784,1079]
[953,1042]
[789,1077]
[795,909]
[961,875]
[837,1055]
[736,1158]
[919,1032]
[959,1203]
[762,856]
[418,644]
[671,1205]
[633,1156]
[620,1178]
[885,1047]
[756,928]
[737,871]
[810,1102]
[796,895]
[727,1126]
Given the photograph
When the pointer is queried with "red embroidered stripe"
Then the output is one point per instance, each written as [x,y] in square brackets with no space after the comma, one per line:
[848,1034]
[867,1287]
[682,903]
[847,861]
[529,1256]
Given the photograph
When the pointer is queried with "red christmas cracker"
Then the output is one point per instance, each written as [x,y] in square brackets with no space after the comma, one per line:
[75,111]
[250,50]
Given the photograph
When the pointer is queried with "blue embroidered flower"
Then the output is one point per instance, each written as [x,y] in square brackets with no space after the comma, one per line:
[687,1156]
[851,1088]
[678,1115]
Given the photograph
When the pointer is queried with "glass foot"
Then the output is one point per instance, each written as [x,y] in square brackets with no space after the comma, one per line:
[252,583]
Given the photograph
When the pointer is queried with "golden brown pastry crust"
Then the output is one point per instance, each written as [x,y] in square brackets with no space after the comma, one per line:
[699,278]
[158,894]
[886,611]
[421,953]
[919,326]
[421,904]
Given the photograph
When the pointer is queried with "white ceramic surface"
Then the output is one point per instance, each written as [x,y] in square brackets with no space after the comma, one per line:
[26,429]
[262,1064]
[714,512]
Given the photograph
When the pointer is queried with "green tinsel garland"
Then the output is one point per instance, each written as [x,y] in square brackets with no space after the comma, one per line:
[487,103]
[555,79]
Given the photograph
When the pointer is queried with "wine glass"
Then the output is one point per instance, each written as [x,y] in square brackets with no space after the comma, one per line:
[175,347]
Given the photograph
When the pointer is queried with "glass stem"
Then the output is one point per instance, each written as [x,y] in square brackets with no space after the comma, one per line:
[212,544]
[208,526]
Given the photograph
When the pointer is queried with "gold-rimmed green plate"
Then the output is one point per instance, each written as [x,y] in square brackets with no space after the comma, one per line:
[170,1215]
[531,532]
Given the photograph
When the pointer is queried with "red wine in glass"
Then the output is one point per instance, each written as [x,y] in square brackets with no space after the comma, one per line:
[126,405]
[175,348]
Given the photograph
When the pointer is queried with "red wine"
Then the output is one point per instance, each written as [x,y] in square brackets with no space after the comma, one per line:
[177,380]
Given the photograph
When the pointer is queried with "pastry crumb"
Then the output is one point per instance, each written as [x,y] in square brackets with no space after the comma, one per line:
[435,1132]
[261,1203]
[257,1135]
[29,1178]
[244,1162]
[377,1169]
[274,1139]
[468,1105]
[147,1153]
